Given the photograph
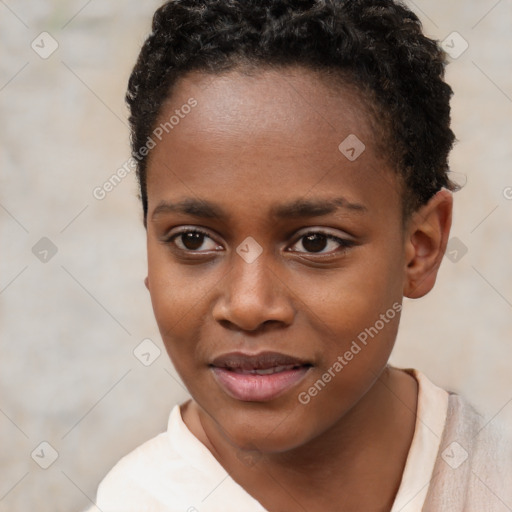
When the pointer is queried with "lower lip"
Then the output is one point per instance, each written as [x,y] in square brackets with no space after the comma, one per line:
[258,388]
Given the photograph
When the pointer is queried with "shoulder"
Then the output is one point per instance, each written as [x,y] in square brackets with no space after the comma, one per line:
[483,437]
[149,477]
[149,453]
[473,469]
[165,473]
[125,487]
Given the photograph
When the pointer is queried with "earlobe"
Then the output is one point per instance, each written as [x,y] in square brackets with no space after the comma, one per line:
[426,240]
[146,282]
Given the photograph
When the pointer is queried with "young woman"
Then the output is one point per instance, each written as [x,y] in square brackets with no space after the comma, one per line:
[292,161]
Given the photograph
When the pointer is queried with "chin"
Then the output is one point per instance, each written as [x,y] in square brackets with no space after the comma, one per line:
[262,429]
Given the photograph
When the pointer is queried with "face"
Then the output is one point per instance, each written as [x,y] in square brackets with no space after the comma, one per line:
[275,256]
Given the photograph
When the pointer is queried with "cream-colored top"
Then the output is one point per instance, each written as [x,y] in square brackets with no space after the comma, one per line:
[430,421]
[175,472]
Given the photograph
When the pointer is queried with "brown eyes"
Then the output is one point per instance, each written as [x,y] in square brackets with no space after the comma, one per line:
[313,242]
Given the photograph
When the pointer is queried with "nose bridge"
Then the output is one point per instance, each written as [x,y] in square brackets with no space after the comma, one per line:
[251,277]
[252,293]
[251,264]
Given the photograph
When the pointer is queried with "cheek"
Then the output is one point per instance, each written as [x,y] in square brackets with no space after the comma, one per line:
[353,297]
[176,289]
[357,312]
[177,299]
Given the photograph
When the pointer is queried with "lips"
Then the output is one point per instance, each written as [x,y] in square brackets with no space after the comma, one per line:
[261,361]
[258,377]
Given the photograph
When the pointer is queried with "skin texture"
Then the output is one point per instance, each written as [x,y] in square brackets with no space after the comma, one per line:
[250,144]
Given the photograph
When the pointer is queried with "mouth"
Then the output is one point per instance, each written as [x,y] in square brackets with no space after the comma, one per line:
[260,377]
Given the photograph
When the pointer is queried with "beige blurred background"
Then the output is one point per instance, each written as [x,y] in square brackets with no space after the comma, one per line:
[73,307]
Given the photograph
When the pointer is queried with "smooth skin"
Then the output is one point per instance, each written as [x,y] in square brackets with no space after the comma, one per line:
[255,142]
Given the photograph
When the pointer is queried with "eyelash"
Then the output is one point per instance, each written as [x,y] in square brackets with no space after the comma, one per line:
[344,243]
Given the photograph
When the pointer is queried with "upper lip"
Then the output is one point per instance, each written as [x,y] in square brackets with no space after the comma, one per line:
[259,361]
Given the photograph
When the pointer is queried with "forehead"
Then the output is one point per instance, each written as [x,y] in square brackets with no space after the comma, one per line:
[277,101]
[266,134]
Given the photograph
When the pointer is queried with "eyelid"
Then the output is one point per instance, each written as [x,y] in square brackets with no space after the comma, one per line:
[312,230]
[187,229]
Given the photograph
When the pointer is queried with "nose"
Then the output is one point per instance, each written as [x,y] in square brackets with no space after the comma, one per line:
[252,294]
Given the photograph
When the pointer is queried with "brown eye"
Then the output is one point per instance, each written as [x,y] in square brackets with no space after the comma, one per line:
[316,242]
[192,240]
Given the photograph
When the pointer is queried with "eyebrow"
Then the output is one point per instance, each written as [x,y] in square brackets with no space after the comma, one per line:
[299,208]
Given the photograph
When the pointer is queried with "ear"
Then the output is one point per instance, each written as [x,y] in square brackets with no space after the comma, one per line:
[146,282]
[426,239]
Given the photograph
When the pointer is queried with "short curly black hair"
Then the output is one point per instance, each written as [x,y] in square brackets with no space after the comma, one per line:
[377,44]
